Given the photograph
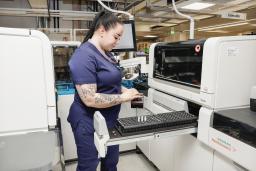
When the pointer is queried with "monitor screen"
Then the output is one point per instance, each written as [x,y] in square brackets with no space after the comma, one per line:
[128,39]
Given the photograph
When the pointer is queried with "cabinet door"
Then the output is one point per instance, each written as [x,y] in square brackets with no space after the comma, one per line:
[144,145]
[223,163]
[190,154]
[23,88]
[162,153]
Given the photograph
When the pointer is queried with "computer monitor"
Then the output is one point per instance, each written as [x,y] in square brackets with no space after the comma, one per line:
[128,39]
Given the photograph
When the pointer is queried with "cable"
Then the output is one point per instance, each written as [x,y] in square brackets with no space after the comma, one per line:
[131,17]
[192,22]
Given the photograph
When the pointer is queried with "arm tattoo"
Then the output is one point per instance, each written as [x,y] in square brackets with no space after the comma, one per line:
[89,90]
[87,93]
[108,98]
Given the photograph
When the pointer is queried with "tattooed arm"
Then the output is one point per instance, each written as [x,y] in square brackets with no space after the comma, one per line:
[123,89]
[90,98]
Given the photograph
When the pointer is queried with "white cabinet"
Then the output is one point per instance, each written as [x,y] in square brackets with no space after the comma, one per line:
[26,89]
[162,153]
[190,154]
[179,153]
[223,163]
[144,147]
[64,103]
[27,102]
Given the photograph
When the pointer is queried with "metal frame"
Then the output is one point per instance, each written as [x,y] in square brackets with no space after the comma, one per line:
[148,136]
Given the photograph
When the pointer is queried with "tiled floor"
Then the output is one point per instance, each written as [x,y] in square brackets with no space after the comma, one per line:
[127,162]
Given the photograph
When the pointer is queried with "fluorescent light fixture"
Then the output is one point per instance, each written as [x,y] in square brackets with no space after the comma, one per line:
[216,31]
[150,36]
[222,26]
[198,6]
[78,18]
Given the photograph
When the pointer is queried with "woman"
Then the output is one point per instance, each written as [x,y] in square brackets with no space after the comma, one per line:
[97,80]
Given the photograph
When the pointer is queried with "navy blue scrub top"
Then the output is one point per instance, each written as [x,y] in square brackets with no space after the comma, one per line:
[89,66]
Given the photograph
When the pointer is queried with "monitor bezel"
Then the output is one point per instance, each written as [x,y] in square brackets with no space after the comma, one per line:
[134,38]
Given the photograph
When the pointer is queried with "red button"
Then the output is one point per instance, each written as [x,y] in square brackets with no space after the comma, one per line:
[197,48]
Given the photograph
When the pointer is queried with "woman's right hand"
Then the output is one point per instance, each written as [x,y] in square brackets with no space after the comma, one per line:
[131,94]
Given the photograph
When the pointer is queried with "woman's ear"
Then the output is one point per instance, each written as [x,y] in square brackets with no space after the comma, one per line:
[101,31]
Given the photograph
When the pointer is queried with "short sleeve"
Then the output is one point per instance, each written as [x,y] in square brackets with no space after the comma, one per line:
[83,68]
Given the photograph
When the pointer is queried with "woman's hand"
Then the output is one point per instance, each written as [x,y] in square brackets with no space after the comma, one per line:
[130,94]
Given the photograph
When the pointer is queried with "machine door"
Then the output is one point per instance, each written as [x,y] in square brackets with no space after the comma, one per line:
[179,62]
[23,94]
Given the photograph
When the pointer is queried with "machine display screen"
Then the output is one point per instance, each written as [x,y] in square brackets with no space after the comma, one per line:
[179,62]
[128,39]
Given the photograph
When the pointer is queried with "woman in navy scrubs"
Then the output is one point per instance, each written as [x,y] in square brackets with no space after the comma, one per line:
[97,80]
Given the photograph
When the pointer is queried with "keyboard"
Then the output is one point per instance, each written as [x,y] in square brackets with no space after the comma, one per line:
[156,122]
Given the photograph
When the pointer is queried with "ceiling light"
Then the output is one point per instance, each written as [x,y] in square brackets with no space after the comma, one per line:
[198,6]
[215,31]
[150,36]
[78,18]
[221,26]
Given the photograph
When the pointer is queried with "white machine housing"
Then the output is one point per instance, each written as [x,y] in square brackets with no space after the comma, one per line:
[27,102]
[228,73]
[236,150]
[28,134]
[226,79]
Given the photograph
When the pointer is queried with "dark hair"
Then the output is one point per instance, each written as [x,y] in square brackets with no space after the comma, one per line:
[106,19]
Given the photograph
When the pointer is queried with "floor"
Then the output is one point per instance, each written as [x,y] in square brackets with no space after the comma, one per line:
[127,162]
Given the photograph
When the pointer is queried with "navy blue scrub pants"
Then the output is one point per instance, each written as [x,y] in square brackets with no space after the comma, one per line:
[87,153]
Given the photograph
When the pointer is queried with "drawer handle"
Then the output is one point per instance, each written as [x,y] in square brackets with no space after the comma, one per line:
[239,167]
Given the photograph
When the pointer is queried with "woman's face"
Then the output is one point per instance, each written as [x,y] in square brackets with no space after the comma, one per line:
[111,37]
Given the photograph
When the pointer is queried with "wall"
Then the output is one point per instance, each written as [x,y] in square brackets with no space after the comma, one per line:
[31,22]
[16,22]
